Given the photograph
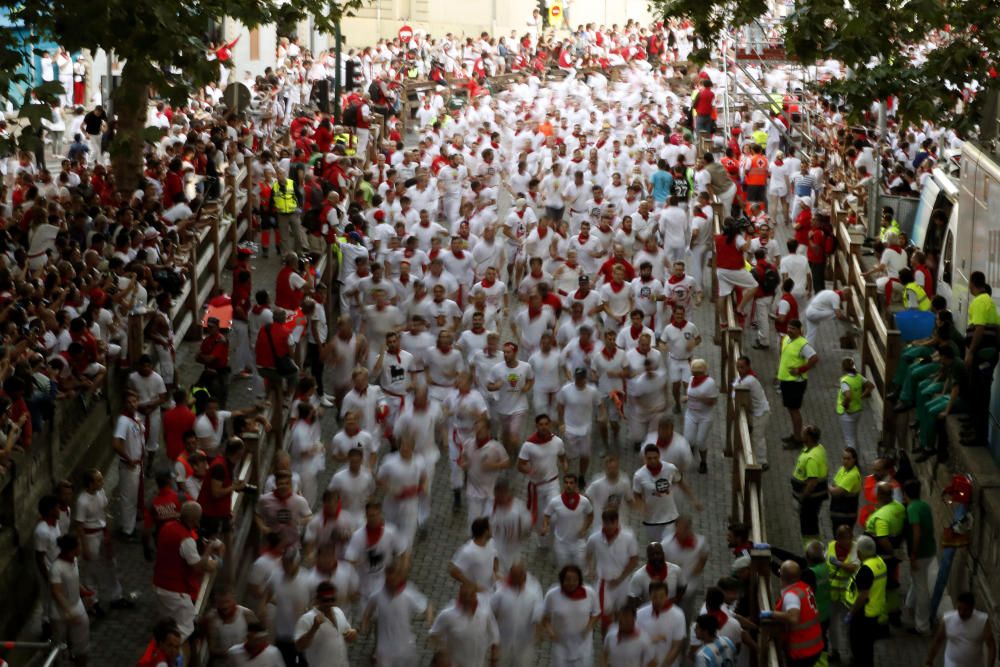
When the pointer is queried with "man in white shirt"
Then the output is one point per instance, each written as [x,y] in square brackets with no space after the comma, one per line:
[483,459]
[476,562]
[129,441]
[393,606]
[69,615]
[373,548]
[626,644]
[824,307]
[570,516]
[663,622]
[512,381]
[578,402]
[760,409]
[541,459]
[466,631]
[613,553]
[653,487]
[517,606]
[323,632]
[702,395]
[795,266]
[680,337]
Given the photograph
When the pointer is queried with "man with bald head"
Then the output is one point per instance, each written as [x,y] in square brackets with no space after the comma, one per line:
[178,565]
[796,610]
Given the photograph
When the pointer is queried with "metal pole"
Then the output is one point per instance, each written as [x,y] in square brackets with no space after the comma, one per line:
[53,655]
[108,104]
[877,176]
[338,45]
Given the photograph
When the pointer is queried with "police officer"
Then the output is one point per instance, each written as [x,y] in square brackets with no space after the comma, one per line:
[809,485]
[866,595]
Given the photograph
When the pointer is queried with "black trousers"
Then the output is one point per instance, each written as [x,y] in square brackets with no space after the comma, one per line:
[288,652]
[809,515]
[315,365]
[863,633]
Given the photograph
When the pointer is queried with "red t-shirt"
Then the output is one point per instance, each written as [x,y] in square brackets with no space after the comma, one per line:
[816,251]
[608,266]
[265,356]
[704,102]
[176,422]
[218,348]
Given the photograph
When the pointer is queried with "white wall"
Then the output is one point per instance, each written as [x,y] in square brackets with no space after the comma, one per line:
[241,52]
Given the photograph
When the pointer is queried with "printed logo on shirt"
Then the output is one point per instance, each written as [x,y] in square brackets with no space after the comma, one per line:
[663,486]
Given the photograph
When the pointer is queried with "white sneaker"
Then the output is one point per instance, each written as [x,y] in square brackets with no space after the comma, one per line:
[326,401]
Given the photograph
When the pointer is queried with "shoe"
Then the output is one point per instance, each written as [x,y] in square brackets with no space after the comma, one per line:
[765,466]
[265,252]
[892,396]
[703,468]
[122,603]
[327,402]
[905,406]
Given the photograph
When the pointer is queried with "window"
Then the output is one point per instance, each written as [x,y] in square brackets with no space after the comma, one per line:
[949,243]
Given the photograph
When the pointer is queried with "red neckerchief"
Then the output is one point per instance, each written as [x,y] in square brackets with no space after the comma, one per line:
[571,500]
[627,635]
[605,351]
[478,328]
[583,236]
[470,608]
[395,590]
[657,574]
[374,534]
[697,380]
[681,324]
[251,653]
[897,248]
[407,252]
[487,283]
[336,513]
[580,593]
[578,295]
[635,332]
[481,442]
[537,439]
[534,275]
[657,470]
[534,312]
[779,162]
[587,348]
[720,616]
[685,542]
[664,445]
[443,350]
[610,535]
[747,374]
[666,607]
[842,552]
[617,287]
[459,254]
[510,583]
[540,234]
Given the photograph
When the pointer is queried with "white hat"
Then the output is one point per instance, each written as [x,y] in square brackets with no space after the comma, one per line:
[138,194]
[805,201]
[521,203]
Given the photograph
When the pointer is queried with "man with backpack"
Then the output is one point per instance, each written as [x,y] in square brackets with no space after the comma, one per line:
[768,281]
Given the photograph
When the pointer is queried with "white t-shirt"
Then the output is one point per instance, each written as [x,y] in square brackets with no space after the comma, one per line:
[611,559]
[678,339]
[568,522]
[823,305]
[203,427]
[569,619]
[291,598]
[634,650]
[797,268]
[476,563]
[699,404]
[893,261]
[270,657]
[328,646]
[67,574]
[579,406]
[355,490]
[466,638]
[394,637]
[656,491]
[543,458]
[965,639]
[511,397]
[663,629]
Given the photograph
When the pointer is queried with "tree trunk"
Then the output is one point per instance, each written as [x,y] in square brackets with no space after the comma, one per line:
[131,103]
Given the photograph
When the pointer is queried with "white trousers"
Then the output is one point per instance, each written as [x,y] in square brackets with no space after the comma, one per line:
[128,495]
[849,427]
[696,431]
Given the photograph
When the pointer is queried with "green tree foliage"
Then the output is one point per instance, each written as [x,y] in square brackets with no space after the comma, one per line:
[160,41]
[873,38]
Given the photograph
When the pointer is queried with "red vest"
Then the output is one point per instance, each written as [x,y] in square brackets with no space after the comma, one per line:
[805,638]
[727,255]
[869,488]
[757,174]
[171,572]
[285,297]
[216,508]
[793,313]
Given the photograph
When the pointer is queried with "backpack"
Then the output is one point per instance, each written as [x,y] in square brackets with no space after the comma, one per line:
[770,281]
[351,115]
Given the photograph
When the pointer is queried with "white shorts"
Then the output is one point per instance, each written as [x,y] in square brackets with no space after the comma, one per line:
[731,278]
[179,607]
[577,445]
[679,369]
